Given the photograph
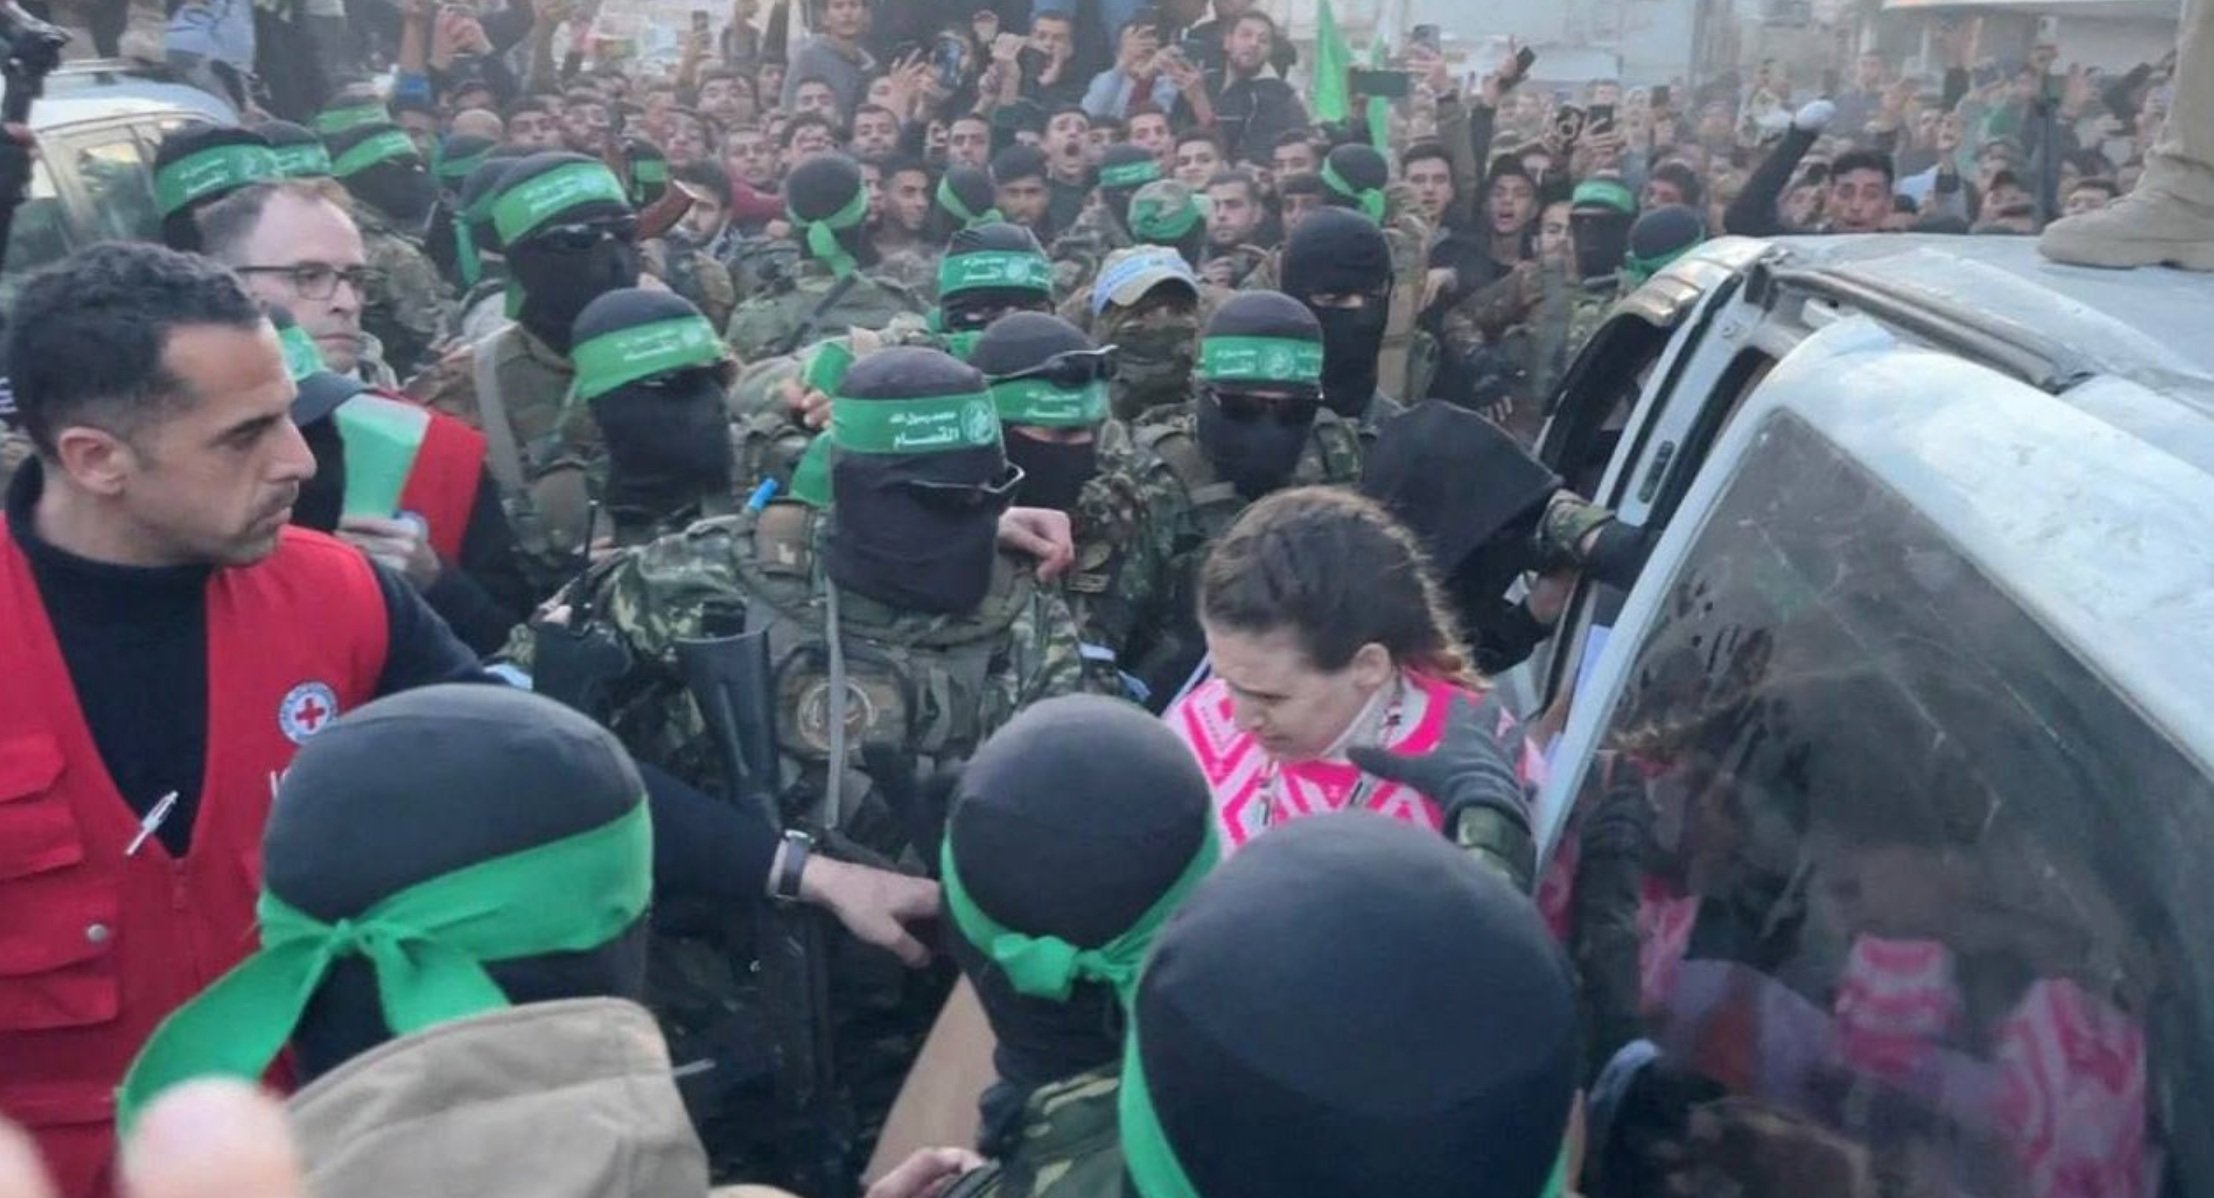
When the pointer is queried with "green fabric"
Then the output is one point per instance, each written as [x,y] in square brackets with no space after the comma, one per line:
[1048,966]
[1604,193]
[1150,223]
[936,424]
[532,202]
[1039,402]
[304,161]
[994,268]
[1636,270]
[382,437]
[822,235]
[650,170]
[456,170]
[811,476]
[428,945]
[213,171]
[961,345]
[333,121]
[465,255]
[950,200]
[384,147]
[1151,1162]
[1260,360]
[1379,113]
[1370,199]
[1130,174]
[827,365]
[1332,60]
[623,356]
[301,357]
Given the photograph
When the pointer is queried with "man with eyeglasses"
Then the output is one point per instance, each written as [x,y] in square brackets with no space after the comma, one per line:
[1256,424]
[567,232]
[438,520]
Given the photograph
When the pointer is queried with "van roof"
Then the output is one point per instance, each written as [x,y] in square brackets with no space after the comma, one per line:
[106,88]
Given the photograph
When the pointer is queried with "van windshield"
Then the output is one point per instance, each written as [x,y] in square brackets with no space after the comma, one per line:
[1875,888]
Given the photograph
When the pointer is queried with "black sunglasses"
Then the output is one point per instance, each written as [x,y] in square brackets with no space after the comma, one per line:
[1288,410]
[583,235]
[966,497]
[1069,370]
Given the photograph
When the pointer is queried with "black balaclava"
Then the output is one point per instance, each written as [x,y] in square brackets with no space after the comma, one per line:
[1072,822]
[915,440]
[988,270]
[551,282]
[1660,237]
[473,206]
[300,153]
[964,200]
[1468,489]
[652,369]
[1600,214]
[1259,455]
[1339,252]
[1123,169]
[381,167]
[1304,1028]
[369,808]
[1054,473]
[322,499]
[1354,176]
[827,201]
[198,165]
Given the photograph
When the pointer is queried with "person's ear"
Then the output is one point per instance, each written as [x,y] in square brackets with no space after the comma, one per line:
[95,459]
[1372,666]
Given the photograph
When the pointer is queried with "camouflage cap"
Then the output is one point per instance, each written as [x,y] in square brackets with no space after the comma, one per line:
[1165,210]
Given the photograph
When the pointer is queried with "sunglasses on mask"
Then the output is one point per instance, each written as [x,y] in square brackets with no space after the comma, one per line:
[688,380]
[1069,370]
[1288,410]
[583,235]
[966,497]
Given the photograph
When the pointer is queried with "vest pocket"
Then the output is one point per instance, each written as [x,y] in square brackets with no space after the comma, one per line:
[58,938]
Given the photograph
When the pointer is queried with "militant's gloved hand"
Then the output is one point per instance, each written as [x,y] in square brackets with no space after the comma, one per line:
[1471,778]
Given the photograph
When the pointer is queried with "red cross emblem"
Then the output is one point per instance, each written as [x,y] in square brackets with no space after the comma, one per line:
[305,709]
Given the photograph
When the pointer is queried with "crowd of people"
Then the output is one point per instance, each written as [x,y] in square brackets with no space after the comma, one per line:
[1025,491]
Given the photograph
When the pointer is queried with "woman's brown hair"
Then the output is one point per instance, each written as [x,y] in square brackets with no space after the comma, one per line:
[1338,572]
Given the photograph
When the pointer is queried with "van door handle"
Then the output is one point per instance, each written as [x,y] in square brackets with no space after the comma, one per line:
[1657,471]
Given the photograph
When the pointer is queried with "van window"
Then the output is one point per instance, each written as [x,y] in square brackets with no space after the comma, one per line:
[119,181]
[1597,396]
[1875,888]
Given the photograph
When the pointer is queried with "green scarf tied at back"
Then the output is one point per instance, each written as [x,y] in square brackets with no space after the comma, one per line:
[428,945]
[1048,966]
[1370,199]
[822,235]
[950,200]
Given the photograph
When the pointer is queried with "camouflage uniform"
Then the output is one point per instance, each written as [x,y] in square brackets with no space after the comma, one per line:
[759,264]
[410,308]
[1125,545]
[546,506]
[484,309]
[915,269]
[1566,317]
[1079,252]
[1070,1146]
[773,323]
[694,272]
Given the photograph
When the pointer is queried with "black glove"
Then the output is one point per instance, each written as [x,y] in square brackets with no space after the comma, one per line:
[921,804]
[1471,778]
[15,172]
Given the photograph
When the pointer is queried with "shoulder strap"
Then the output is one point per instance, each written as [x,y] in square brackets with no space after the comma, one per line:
[1179,451]
[501,454]
[807,327]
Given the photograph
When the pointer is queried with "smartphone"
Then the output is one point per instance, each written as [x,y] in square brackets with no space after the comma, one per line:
[1384,85]
[1661,97]
[1193,47]
[1600,116]
[699,20]
[1425,35]
[1524,59]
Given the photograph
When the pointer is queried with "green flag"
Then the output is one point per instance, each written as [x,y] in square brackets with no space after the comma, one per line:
[1332,60]
[1379,108]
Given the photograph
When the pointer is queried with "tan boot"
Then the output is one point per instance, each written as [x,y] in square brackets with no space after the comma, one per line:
[2144,228]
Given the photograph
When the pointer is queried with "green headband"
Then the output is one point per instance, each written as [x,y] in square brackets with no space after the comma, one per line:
[1637,269]
[455,170]
[1048,966]
[960,345]
[1371,199]
[428,945]
[212,171]
[937,424]
[301,358]
[1155,223]
[822,235]
[1039,402]
[1151,1161]
[304,160]
[611,360]
[390,146]
[533,201]
[950,200]
[650,170]
[1260,360]
[333,121]
[1130,174]
[1605,193]
[994,268]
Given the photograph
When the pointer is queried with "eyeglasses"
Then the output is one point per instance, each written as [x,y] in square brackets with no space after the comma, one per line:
[579,237]
[320,280]
[966,497]
[1288,410]
[1069,370]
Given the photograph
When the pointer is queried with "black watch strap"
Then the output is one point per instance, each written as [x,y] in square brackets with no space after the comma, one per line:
[798,846]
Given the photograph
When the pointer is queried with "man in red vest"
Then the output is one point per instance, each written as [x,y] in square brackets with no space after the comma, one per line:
[167,641]
[418,498]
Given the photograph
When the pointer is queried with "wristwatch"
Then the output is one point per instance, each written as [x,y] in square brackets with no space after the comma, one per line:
[798,846]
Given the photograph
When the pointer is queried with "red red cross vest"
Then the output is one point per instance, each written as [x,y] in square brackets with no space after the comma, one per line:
[440,458]
[98,943]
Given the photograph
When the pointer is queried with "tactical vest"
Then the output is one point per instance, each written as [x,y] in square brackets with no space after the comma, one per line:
[1214,502]
[921,683]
